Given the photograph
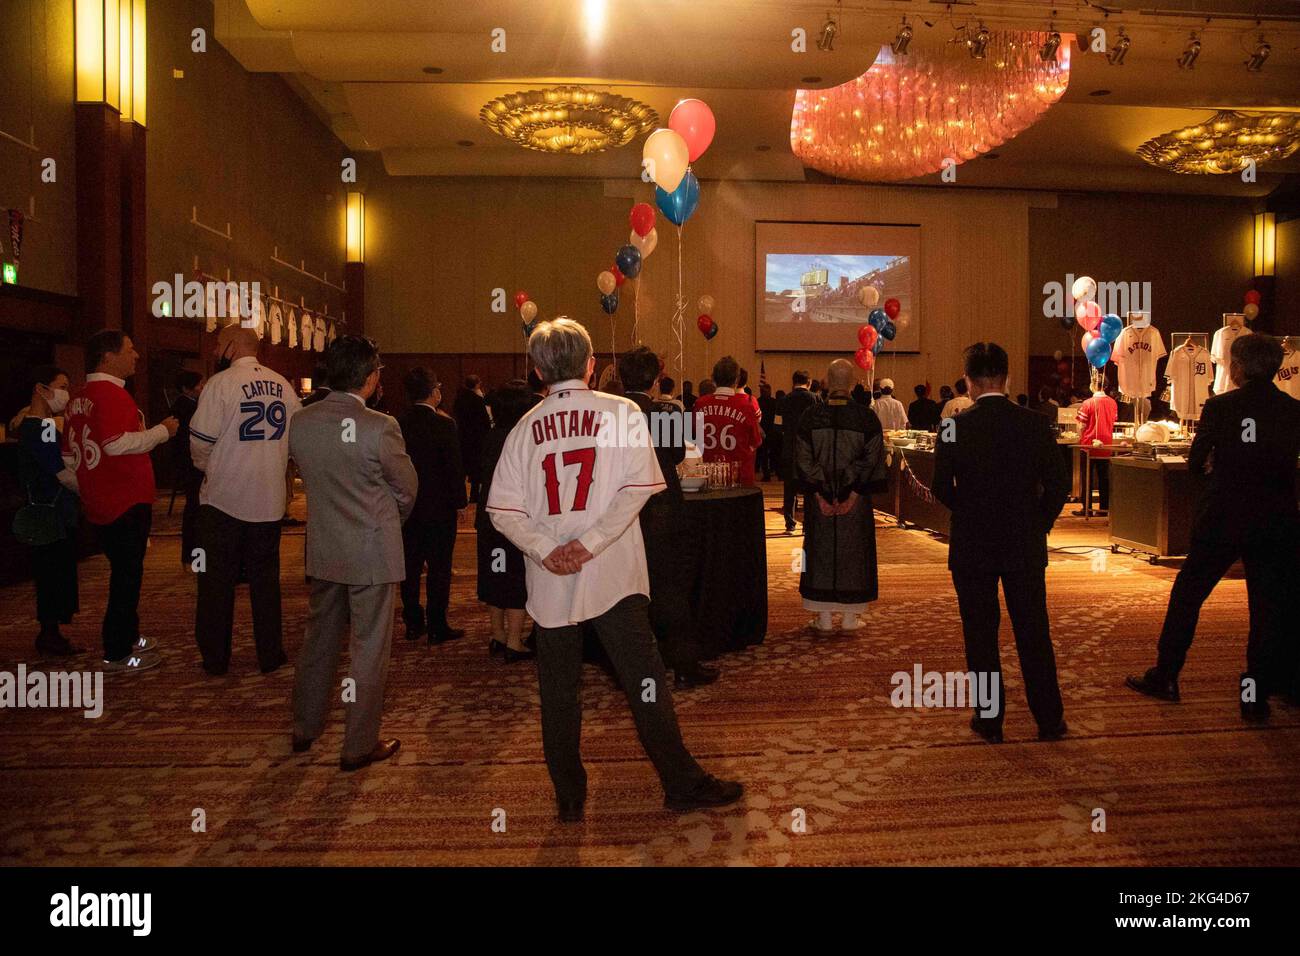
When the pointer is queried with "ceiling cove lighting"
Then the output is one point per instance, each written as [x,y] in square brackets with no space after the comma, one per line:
[356,216]
[1265,243]
[903,118]
[1228,142]
[1187,59]
[568,119]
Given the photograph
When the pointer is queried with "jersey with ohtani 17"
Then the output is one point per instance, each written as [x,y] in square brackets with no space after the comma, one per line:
[571,470]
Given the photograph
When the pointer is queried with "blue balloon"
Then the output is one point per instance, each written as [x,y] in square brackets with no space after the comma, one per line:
[1098,353]
[679,205]
[713,330]
[877,319]
[878,346]
[888,330]
[628,260]
[1110,328]
[610,302]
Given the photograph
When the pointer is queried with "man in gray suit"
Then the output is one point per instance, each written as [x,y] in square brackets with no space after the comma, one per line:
[360,489]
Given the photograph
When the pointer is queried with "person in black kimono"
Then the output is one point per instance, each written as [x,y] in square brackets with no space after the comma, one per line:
[839,459]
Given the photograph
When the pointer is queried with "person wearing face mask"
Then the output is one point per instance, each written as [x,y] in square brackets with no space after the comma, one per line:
[51,488]
[361,487]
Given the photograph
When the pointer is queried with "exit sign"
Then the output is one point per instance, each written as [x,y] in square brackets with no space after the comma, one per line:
[10,275]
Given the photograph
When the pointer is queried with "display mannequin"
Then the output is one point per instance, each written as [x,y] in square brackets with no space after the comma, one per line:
[1288,376]
[1135,354]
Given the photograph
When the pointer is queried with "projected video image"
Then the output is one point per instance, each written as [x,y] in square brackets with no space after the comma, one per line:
[828,289]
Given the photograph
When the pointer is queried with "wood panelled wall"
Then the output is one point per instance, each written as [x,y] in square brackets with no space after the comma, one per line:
[438,248]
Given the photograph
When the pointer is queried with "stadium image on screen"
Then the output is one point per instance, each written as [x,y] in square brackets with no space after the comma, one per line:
[826,288]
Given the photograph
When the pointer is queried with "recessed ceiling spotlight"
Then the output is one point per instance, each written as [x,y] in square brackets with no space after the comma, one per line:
[433,70]
[1115,56]
[810,80]
[762,147]
[1099,93]
[1187,59]
[1053,42]
[980,43]
[901,41]
[464,142]
[1257,58]
[991,156]
[826,39]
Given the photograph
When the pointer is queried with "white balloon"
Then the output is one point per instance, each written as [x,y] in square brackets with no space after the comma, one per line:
[1084,289]
[706,304]
[1058,355]
[528,311]
[646,244]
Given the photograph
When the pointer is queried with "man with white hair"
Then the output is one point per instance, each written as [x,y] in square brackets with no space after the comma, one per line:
[567,490]
[890,411]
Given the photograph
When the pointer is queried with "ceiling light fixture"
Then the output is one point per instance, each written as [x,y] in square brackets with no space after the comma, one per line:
[826,39]
[1257,58]
[1115,56]
[980,43]
[1187,59]
[901,41]
[568,119]
[1228,142]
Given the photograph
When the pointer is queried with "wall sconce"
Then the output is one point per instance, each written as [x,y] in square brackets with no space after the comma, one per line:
[1265,243]
[110,55]
[356,227]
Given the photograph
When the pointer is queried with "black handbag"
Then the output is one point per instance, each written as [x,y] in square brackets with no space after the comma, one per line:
[38,524]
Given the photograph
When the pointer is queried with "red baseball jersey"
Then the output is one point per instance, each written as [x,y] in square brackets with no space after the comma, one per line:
[1097,417]
[730,430]
[109,484]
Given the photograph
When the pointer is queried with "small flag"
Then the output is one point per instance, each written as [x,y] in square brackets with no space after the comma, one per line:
[762,372]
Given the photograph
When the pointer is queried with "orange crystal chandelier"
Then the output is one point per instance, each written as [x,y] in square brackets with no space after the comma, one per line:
[908,114]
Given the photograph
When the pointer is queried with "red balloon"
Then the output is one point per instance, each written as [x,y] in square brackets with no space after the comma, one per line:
[520,298]
[704,323]
[693,121]
[892,307]
[643,219]
[1252,297]
[865,359]
[619,278]
[867,336]
[1088,315]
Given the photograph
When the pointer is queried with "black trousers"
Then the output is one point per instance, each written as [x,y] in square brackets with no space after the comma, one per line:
[763,461]
[1101,481]
[624,631]
[1270,558]
[428,541]
[54,567]
[124,542]
[190,484]
[227,544]
[1026,595]
[787,505]
[671,616]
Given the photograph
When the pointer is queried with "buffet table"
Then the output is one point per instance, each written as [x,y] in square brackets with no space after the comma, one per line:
[726,554]
[911,475]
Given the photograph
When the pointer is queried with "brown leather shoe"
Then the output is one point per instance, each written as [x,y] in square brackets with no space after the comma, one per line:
[383,750]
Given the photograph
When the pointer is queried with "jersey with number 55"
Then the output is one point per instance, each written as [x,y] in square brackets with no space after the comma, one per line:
[239,438]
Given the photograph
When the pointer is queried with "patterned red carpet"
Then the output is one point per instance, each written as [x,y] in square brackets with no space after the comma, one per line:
[804,721]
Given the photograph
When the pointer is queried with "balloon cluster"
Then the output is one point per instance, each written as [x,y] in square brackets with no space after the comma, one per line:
[708,328]
[1251,308]
[527,312]
[668,154]
[880,327]
[627,265]
[1099,331]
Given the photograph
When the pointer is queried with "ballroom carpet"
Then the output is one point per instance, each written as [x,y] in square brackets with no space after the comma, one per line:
[804,721]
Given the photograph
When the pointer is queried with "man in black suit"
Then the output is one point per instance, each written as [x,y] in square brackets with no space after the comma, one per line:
[473,422]
[669,558]
[800,399]
[999,473]
[924,413]
[767,413]
[429,535]
[189,477]
[1247,442]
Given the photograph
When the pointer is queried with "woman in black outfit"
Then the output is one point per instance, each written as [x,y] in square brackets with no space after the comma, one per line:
[51,489]
[501,584]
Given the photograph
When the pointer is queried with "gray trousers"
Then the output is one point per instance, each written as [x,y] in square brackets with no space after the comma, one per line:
[625,632]
[368,609]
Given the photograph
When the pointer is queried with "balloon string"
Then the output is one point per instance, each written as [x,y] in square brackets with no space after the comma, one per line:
[679,312]
[636,312]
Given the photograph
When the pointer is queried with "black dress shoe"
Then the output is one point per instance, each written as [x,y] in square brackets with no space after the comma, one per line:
[697,675]
[990,732]
[569,811]
[512,656]
[414,631]
[444,635]
[383,750]
[1055,733]
[710,792]
[302,744]
[495,647]
[1154,684]
[55,645]
[214,670]
[279,662]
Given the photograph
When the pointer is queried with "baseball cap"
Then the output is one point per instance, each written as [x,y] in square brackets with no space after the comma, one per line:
[886,383]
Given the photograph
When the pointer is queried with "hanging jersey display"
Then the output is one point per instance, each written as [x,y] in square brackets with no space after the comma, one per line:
[1135,354]
[1288,376]
[1220,349]
[292,322]
[1189,374]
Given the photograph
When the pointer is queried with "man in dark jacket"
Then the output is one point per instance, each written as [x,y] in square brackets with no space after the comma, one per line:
[1246,443]
[429,534]
[473,422]
[671,616]
[998,471]
[800,399]
[767,419]
[923,414]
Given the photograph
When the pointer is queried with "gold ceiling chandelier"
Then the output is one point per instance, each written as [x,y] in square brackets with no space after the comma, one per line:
[1228,142]
[568,119]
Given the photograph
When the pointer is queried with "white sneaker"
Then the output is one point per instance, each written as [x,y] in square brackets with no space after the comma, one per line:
[143,644]
[132,664]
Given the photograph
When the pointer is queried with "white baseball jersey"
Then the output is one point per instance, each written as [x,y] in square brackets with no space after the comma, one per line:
[239,437]
[332,334]
[956,405]
[1288,376]
[291,326]
[1220,351]
[568,471]
[308,329]
[1135,354]
[318,335]
[276,321]
[1188,371]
